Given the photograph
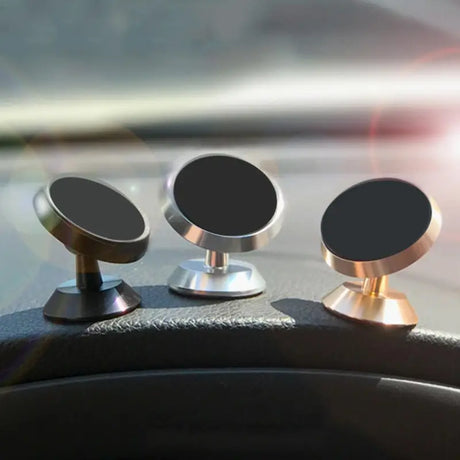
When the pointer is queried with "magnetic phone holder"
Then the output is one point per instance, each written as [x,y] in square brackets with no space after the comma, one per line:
[95,222]
[369,231]
[222,204]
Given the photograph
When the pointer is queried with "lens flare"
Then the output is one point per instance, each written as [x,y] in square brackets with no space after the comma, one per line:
[408,70]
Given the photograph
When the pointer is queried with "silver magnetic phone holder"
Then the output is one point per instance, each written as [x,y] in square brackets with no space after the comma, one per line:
[222,204]
[95,222]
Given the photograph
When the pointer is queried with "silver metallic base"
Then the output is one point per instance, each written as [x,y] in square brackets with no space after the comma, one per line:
[391,308]
[68,303]
[195,278]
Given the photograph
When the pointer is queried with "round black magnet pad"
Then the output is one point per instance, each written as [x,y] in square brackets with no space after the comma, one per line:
[225,195]
[97,208]
[375,219]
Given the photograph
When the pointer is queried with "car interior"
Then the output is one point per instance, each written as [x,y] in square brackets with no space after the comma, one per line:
[230,229]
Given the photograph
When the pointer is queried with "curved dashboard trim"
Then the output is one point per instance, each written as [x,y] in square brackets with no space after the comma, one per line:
[207,335]
[277,411]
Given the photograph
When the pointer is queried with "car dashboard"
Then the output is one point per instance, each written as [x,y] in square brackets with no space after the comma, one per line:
[274,374]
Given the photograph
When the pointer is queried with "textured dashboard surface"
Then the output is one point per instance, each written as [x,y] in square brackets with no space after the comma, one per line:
[284,327]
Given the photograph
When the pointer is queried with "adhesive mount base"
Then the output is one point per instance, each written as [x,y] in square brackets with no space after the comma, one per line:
[389,309]
[70,304]
[195,278]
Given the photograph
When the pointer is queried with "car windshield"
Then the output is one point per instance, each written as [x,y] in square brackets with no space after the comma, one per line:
[95,66]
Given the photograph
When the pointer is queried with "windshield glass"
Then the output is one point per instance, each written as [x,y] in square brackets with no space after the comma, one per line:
[91,65]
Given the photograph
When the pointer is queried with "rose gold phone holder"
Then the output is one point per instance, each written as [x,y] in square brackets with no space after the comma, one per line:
[371,230]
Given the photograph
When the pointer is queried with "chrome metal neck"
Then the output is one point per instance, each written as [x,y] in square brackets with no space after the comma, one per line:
[216,260]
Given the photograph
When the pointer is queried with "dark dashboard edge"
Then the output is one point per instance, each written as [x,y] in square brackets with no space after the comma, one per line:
[421,354]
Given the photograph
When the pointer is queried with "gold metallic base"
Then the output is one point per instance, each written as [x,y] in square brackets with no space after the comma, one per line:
[390,308]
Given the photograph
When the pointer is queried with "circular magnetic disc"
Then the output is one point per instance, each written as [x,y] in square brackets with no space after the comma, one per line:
[375,219]
[225,195]
[92,218]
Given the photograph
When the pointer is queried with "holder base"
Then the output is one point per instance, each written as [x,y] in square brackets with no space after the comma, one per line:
[195,278]
[68,303]
[389,309]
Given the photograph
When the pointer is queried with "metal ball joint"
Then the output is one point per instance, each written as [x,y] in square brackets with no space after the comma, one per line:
[222,204]
[95,222]
[369,231]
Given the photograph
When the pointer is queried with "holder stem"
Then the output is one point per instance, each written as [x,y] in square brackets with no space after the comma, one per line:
[216,259]
[375,286]
[88,273]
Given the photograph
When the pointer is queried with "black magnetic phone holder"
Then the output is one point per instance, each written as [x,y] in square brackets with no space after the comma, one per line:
[369,231]
[223,204]
[95,222]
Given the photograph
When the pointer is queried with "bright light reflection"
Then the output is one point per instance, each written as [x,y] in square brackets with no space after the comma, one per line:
[451,142]
[304,91]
